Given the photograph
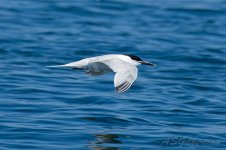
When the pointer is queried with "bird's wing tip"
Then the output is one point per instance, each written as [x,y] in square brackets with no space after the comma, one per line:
[123,87]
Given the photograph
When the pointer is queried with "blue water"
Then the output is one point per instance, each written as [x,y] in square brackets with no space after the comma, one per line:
[183,98]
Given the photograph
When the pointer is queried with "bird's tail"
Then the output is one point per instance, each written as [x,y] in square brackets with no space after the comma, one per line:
[70,65]
[65,65]
[55,66]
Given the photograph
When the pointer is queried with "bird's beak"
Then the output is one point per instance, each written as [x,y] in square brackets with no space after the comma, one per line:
[147,63]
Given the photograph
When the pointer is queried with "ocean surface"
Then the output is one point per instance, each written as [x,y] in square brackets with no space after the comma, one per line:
[179,104]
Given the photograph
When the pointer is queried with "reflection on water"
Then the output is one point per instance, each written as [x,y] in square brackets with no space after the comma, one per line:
[105,142]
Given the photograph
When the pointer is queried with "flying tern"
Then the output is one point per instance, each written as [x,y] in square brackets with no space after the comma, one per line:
[123,65]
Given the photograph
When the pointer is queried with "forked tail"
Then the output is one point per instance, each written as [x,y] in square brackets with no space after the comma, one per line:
[66,66]
[55,66]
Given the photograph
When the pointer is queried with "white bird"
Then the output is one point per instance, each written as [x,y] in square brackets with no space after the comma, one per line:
[123,65]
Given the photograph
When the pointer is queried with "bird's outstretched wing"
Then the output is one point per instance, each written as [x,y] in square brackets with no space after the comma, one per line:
[124,79]
[125,75]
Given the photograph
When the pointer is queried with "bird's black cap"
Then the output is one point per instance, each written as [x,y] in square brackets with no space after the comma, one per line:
[134,57]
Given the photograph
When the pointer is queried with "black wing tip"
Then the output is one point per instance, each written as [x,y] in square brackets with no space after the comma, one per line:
[123,87]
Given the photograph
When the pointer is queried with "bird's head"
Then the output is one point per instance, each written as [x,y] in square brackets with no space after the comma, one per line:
[135,60]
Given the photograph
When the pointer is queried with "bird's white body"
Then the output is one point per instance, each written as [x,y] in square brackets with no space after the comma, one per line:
[124,67]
